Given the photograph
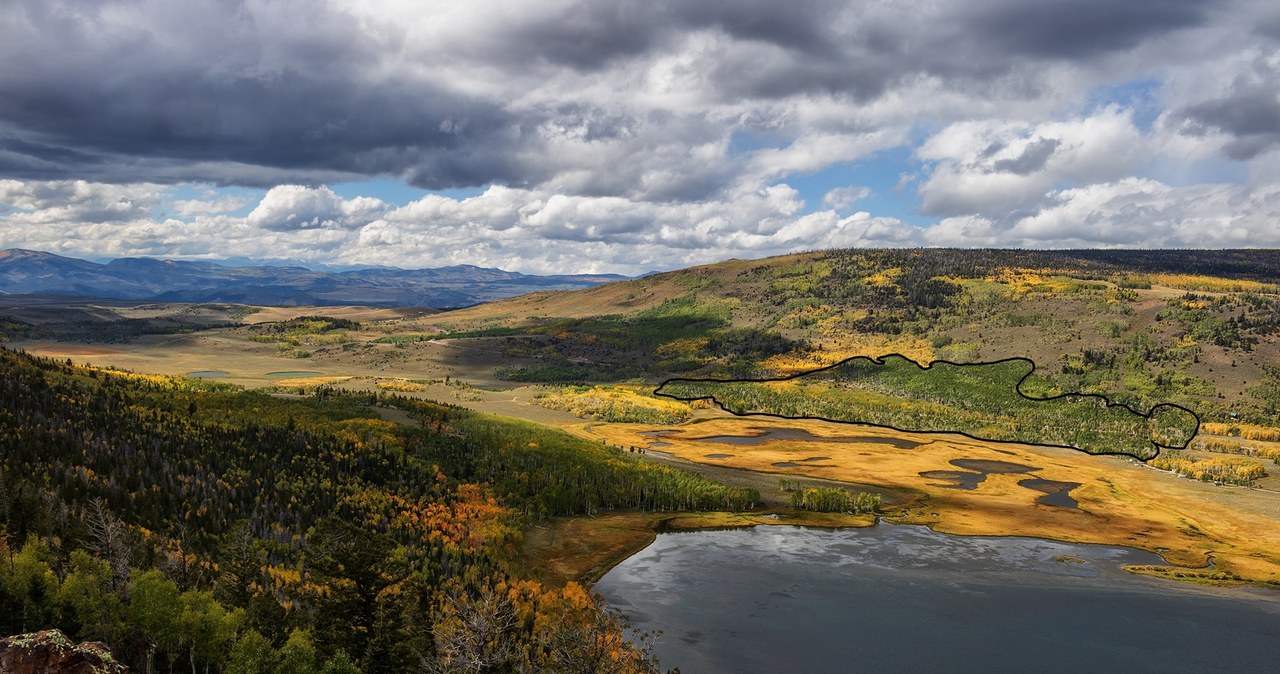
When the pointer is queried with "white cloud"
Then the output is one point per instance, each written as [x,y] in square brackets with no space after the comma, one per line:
[1129,213]
[211,204]
[292,207]
[544,232]
[996,168]
[526,230]
[49,202]
[841,198]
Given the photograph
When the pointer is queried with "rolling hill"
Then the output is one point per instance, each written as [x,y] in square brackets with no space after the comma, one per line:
[1143,327]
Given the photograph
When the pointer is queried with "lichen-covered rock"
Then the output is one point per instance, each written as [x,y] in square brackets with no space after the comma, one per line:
[51,652]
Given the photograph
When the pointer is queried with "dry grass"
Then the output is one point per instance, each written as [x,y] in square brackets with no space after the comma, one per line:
[308,382]
[276,314]
[247,362]
[1122,502]
[69,350]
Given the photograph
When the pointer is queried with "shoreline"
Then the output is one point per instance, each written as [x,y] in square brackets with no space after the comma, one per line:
[647,526]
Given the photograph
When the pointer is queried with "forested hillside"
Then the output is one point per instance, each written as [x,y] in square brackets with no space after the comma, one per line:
[1198,328]
[194,527]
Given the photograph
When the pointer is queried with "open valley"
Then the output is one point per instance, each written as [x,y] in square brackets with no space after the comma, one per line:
[459,357]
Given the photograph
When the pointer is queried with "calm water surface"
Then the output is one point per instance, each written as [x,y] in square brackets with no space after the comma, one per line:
[763,435]
[896,598]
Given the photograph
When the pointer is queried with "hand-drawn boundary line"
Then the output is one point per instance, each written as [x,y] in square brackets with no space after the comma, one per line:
[880,361]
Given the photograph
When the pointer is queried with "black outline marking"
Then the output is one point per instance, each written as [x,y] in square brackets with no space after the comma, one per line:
[880,361]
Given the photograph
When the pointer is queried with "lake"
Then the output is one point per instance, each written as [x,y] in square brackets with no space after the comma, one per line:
[899,598]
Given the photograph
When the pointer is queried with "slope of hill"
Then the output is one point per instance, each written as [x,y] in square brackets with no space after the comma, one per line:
[192,526]
[34,272]
[1142,327]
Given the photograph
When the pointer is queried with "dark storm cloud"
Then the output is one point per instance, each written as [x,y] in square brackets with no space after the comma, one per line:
[974,44]
[23,158]
[1250,114]
[290,121]
[145,110]
[801,25]
[590,36]
[584,38]
[150,103]
[1074,29]
[264,93]
[1269,25]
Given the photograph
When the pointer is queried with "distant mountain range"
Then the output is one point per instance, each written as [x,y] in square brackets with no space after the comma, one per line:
[30,272]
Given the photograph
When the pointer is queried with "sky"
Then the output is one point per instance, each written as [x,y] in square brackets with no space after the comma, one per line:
[627,136]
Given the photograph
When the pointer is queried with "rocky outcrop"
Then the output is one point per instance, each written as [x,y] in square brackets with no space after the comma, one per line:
[51,652]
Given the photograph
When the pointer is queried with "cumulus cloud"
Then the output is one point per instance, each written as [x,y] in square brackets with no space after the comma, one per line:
[1128,213]
[540,232]
[212,204]
[290,207]
[49,202]
[519,229]
[996,168]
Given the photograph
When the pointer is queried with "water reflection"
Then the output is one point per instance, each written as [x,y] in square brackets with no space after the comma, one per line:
[903,598]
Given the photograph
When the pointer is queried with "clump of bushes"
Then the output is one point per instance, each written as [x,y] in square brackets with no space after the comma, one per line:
[615,405]
[830,499]
[1222,470]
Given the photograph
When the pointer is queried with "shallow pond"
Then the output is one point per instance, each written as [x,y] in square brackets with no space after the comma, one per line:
[955,479]
[992,466]
[760,436]
[209,374]
[977,470]
[906,599]
[1055,493]
[294,374]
